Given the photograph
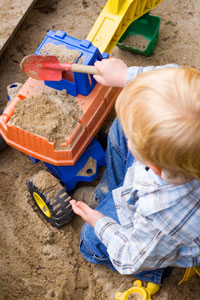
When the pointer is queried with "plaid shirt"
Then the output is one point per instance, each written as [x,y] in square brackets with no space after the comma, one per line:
[159,223]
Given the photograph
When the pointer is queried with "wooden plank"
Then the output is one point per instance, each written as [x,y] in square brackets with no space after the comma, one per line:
[12,14]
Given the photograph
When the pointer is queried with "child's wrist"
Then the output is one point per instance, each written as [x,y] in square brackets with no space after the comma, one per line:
[96,218]
[125,78]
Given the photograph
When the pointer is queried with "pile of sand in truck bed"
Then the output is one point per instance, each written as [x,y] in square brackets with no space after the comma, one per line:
[52,115]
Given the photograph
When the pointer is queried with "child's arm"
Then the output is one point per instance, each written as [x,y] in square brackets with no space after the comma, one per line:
[113,72]
[131,250]
[124,249]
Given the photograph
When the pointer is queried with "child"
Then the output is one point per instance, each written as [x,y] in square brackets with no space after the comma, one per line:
[148,216]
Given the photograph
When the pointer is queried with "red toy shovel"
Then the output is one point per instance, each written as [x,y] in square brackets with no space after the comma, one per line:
[49,68]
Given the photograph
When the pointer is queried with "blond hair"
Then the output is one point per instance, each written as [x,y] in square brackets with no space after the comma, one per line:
[160,115]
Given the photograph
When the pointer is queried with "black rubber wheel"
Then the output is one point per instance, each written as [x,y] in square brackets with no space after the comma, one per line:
[3,144]
[57,211]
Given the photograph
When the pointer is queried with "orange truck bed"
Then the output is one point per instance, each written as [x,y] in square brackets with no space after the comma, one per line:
[96,106]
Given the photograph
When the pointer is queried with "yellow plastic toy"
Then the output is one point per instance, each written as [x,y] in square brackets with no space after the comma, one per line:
[114,19]
[190,272]
[139,292]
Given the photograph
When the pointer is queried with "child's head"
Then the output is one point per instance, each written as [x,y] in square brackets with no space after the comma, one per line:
[160,115]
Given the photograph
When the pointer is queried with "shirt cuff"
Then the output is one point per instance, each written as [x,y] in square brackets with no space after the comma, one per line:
[132,73]
[105,228]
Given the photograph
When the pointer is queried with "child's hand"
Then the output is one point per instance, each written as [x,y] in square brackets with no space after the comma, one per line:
[113,72]
[89,215]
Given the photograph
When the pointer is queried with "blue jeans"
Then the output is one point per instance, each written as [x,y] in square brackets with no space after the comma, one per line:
[118,159]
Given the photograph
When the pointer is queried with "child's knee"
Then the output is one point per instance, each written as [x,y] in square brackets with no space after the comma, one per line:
[87,236]
[91,247]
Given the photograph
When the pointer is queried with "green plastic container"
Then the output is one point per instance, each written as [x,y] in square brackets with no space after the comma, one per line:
[141,36]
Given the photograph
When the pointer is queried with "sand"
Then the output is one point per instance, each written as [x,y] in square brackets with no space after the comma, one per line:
[62,53]
[139,42]
[38,261]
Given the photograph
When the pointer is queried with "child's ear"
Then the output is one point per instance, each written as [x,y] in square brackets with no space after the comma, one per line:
[157,169]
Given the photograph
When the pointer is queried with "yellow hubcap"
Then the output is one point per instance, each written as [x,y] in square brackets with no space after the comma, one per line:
[42,205]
